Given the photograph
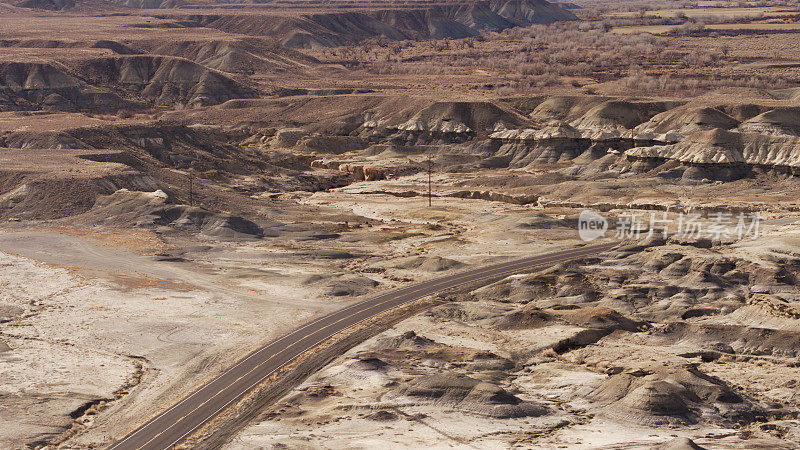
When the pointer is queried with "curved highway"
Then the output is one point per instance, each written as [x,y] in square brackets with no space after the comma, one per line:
[178,422]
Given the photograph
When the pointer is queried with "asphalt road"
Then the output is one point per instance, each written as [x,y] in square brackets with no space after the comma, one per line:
[176,423]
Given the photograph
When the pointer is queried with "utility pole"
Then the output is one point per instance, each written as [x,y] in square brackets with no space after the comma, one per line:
[430,169]
[191,189]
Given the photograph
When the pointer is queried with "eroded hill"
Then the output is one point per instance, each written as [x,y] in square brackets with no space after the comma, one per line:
[227,173]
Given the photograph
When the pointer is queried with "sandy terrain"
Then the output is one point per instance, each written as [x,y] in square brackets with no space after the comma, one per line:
[72,307]
[528,348]
[182,181]
[194,285]
[195,306]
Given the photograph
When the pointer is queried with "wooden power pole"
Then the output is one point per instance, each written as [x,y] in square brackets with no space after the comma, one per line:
[430,169]
[191,189]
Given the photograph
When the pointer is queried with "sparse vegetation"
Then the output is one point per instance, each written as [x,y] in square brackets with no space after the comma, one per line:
[179,185]
[564,54]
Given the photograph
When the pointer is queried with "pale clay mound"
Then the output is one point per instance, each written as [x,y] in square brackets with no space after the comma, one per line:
[727,148]
[686,120]
[269,223]
[777,122]
[648,386]
[192,179]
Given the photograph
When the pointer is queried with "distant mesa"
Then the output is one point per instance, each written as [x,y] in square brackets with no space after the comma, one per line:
[53,5]
[102,84]
[346,28]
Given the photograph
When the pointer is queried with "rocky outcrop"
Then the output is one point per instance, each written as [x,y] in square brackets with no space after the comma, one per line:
[49,86]
[719,147]
[551,132]
[152,144]
[288,137]
[71,187]
[209,223]
[151,4]
[96,84]
[564,108]
[666,396]
[114,46]
[319,30]
[360,172]
[52,5]
[233,55]
[331,29]
[776,122]
[677,123]
[441,122]
[163,80]
[786,94]
[548,145]
[375,173]
[496,197]
[470,395]
[616,118]
[57,140]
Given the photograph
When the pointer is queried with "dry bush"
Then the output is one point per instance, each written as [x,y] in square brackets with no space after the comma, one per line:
[567,53]
[640,82]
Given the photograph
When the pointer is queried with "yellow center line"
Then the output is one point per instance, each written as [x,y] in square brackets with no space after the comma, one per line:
[565,255]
